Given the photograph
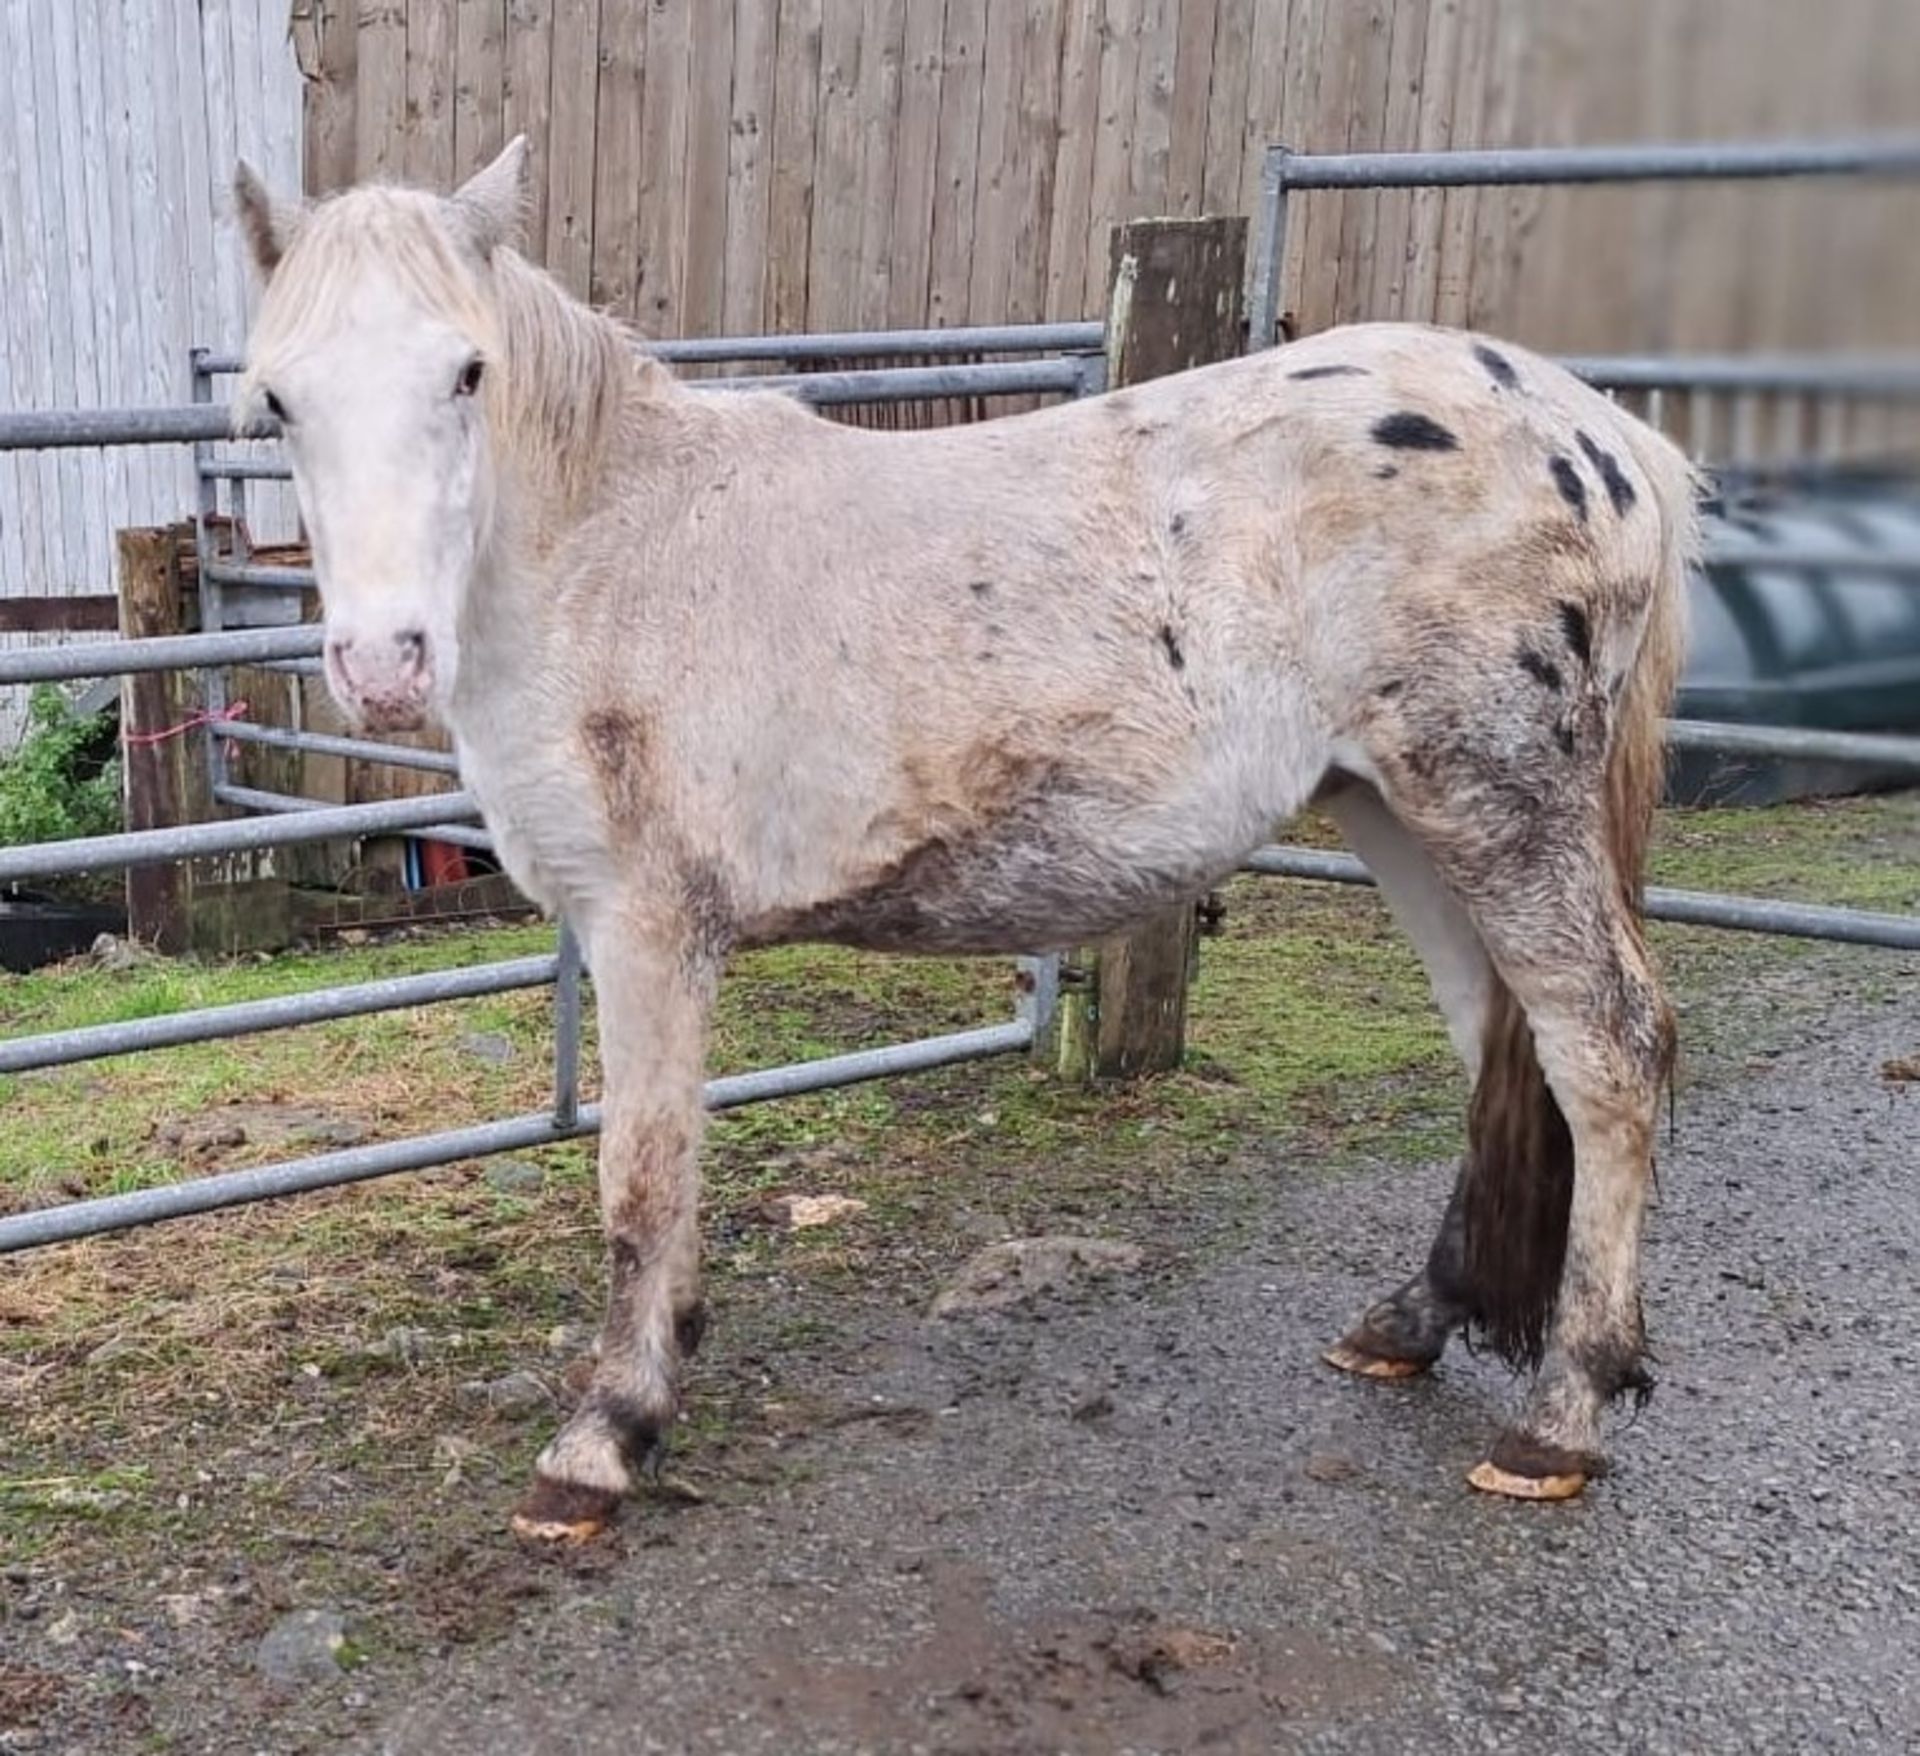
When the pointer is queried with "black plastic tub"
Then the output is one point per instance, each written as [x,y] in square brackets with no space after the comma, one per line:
[1832,648]
[38,930]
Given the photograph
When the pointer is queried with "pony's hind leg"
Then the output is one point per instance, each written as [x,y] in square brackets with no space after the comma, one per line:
[654,975]
[1402,1334]
[1576,1048]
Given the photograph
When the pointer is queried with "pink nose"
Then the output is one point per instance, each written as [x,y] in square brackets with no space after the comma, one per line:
[384,680]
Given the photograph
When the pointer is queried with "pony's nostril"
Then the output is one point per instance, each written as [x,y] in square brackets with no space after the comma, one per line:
[413,649]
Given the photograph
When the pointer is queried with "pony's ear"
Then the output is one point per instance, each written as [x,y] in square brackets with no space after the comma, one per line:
[493,202]
[269,224]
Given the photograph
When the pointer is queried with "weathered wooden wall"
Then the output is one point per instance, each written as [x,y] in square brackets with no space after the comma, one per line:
[708,166]
[119,124]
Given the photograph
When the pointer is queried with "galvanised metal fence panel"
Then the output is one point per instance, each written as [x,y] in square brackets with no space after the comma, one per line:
[279,819]
[287,820]
[1284,172]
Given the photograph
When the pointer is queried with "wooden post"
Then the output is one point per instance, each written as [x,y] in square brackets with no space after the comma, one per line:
[1174,301]
[163,782]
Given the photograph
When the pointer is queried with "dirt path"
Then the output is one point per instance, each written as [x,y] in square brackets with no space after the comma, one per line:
[1145,1520]
[1140,1517]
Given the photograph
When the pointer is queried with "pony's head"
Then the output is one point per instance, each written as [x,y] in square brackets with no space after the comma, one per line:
[373,349]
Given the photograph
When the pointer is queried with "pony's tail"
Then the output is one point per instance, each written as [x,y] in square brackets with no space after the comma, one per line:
[1516,1187]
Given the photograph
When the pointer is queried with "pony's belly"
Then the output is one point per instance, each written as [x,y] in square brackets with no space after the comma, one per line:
[1020,896]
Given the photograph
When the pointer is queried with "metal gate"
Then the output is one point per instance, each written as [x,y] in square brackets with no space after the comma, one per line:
[251,610]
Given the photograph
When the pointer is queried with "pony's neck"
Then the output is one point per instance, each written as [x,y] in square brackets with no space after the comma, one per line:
[571,379]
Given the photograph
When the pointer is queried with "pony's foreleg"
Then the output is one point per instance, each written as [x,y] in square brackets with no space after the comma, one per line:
[653,988]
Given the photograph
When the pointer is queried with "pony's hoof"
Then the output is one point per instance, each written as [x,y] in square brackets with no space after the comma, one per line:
[1490,1478]
[1346,1357]
[564,1512]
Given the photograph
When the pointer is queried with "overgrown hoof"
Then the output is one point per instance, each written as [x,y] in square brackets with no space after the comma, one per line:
[1521,1468]
[1350,1356]
[564,1512]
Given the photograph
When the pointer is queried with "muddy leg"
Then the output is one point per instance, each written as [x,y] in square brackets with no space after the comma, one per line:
[1402,1334]
[653,989]
[1603,1033]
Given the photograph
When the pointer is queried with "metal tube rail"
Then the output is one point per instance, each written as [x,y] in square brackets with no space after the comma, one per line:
[283,578]
[1800,557]
[191,841]
[566,1029]
[295,805]
[328,744]
[1508,167]
[1283,171]
[329,1170]
[911,383]
[244,469]
[1694,908]
[1721,736]
[62,429]
[58,429]
[171,652]
[62,1048]
[1891,376]
[1000,338]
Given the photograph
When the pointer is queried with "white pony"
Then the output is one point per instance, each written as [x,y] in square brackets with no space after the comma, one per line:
[722,673]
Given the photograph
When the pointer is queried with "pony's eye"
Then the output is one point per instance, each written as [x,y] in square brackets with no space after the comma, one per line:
[277,409]
[470,375]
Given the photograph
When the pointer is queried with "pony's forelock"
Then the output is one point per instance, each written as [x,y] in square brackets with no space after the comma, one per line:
[402,234]
[560,372]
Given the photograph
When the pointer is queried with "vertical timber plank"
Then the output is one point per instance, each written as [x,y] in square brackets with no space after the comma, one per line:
[615,151]
[840,147]
[571,154]
[161,780]
[796,119]
[709,157]
[957,160]
[1067,227]
[432,43]
[749,167]
[527,102]
[914,163]
[660,296]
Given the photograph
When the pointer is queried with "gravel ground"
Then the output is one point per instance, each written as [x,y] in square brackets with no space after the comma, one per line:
[1142,1518]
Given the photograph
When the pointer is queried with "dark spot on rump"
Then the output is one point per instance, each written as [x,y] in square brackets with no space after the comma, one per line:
[1499,367]
[1311,372]
[1572,489]
[1386,472]
[980,587]
[1563,736]
[1573,620]
[1391,688]
[1411,431]
[1171,642]
[1612,477]
[1538,666]
[1177,524]
[843,651]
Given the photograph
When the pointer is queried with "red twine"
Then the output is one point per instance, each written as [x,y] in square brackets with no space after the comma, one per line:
[193,722]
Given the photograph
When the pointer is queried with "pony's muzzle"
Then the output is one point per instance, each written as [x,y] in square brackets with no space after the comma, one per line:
[383,682]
